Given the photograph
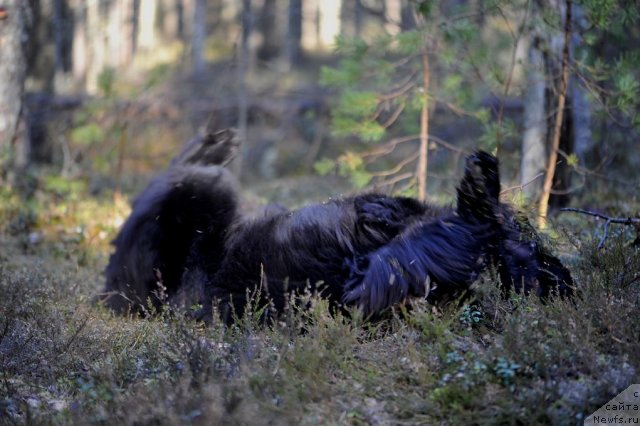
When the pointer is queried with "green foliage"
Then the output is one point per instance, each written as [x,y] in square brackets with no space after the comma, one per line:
[409,42]
[87,134]
[324,166]
[351,165]
[379,82]
[470,316]
[64,187]
[106,81]
[157,75]
[495,132]
[425,7]
[357,104]
[615,69]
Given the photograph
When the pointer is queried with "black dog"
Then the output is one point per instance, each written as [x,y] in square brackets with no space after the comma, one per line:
[373,251]
[177,228]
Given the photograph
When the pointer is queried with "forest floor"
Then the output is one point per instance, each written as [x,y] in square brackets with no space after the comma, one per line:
[65,359]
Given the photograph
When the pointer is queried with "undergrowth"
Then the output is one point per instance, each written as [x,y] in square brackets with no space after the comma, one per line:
[486,359]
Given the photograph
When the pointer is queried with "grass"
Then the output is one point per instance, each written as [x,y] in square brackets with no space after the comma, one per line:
[488,360]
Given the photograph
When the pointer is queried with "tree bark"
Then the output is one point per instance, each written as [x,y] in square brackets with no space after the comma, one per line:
[423,159]
[13,68]
[557,129]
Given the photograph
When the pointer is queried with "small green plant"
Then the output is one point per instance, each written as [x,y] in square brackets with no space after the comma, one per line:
[470,316]
[506,370]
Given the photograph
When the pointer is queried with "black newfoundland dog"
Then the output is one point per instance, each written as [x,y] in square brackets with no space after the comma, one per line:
[186,242]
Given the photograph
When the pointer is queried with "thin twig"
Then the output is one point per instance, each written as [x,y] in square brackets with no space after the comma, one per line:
[447,145]
[592,172]
[388,147]
[394,180]
[522,186]
[609,220]
[397,168]
[400,91]
[394,116]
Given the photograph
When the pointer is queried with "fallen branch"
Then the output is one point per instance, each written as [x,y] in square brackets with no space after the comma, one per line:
[609,220]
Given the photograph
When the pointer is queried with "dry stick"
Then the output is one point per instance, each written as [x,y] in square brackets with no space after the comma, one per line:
[424,131]
[609,220]
[543,208]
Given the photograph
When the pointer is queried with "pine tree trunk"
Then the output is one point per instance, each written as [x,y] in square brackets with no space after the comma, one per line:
[557,129]
[423,159]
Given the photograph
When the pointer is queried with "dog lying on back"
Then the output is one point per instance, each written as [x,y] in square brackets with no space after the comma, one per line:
[186,242]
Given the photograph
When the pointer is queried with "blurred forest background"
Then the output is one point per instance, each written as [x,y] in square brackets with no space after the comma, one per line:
[100,94]
[330,97]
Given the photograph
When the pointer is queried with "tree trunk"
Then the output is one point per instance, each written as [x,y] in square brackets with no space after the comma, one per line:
[147,25]
[329,25]
[580,104]
[407,21]
[351,18]
[268,30]
[243,64]
[557,129]
[80,42]
[310,25]
[199,35]
[535,125]
[423,159]
[63,38]
[294,33]
[13,67]
[393,16]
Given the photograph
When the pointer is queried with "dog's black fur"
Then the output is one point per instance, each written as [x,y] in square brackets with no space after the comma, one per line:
[371,250]
[175,235]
